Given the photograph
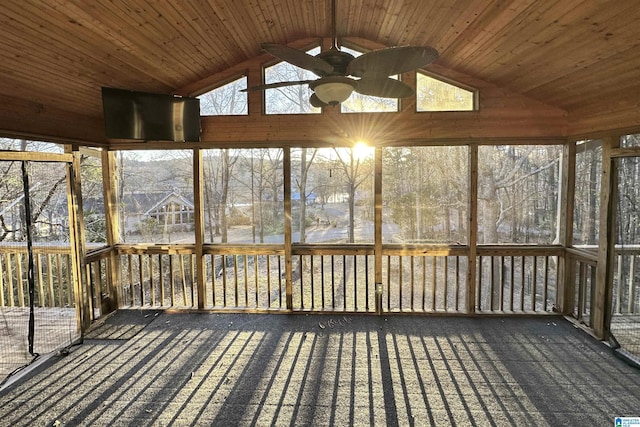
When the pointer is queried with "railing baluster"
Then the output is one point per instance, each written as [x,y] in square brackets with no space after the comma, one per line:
[512,275]
[534,282]
[141,277]
[457,271]
[545,293]
[389,283]
[269,280]
[424,282]
[235,279]
[502,283]
[366,281]
[322,284]
[400,283]
[434,276]
[492,280]
[355,283]
[479,281]
[300,269]
[183,280]
[2,303]
[344,282]
[172,280]
[60,280]
[313,297]
[522,280]
[38,266]
[131,293]
[280,283]
[7,259]
[592,294]
[192,279]
[20,281]
[162,282]
[333,284]
[413,293]
[445,291]
[631,284]
[69,282]
[582,289]
[619,285]
[256,261]
[99,287]
[152,284]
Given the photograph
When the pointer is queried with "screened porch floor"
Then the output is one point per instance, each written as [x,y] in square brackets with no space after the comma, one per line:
[146,367]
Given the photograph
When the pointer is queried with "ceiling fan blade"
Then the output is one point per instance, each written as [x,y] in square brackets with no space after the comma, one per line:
[391,61]
[315,101]
[298,58]
[383,87]
[276,85]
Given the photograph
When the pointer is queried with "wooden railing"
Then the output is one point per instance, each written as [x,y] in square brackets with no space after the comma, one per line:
[509,279]
[425,279]
[583,263]
[157,276]
[517,279]
[236,277]
[245,277]
[416,279]
[626,286]
[99,281]
[52,276]
[331,278]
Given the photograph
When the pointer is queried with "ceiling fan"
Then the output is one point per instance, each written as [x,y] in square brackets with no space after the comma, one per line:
[341,73]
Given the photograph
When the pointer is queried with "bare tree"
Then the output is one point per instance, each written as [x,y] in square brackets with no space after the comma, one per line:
[356,171]
[225,100]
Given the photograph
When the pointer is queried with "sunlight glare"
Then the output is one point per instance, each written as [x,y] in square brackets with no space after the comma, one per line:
[361,150]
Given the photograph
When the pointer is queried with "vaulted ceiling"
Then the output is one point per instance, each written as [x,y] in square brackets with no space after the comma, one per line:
[581,56]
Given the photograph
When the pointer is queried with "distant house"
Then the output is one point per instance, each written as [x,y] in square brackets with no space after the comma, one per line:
[172,211]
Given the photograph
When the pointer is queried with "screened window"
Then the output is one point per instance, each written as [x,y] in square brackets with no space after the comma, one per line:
[518,194]
[93,197]
[292,99]
[243,196]
[156,196]
[28,145]
[587,192]
[332,195]
[632,140]
[425,195]
[433,94]
[226,100]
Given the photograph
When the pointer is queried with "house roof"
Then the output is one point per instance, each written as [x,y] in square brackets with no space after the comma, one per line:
[146,202]
[581,56]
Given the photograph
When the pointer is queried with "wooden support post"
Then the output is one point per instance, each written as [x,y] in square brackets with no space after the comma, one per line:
[112,224]
[286,168]
[565,303]
[601,307]
[77,243]
[472,231]
[377,231]
[198,197]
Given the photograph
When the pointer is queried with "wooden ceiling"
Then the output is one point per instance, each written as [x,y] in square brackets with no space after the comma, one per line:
[581,56]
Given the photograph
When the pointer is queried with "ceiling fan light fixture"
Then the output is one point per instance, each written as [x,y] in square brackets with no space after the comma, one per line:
[333,91]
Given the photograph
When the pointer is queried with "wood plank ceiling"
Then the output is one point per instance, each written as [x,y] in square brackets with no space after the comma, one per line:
[582,56]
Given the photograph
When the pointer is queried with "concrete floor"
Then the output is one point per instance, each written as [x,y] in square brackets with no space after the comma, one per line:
[149,368]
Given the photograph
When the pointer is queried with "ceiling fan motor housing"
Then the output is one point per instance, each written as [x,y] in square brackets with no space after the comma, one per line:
[337,59]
